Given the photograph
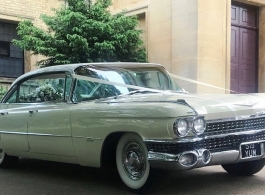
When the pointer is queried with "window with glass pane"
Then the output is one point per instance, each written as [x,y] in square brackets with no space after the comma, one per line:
[11,56]
[42,89]
[12,98]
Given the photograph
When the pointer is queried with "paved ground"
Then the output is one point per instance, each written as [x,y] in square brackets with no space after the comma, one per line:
[33,177]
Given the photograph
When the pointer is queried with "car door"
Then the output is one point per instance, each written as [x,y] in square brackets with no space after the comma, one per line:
[13,120]
[14,125]
[49,130]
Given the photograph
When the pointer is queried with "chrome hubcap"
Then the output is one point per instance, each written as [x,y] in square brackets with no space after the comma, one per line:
[134,162]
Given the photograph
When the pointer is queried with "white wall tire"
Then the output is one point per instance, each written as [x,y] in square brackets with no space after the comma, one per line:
[132,163]
[7,161]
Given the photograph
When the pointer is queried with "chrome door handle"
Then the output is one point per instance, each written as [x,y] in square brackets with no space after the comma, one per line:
[32,111]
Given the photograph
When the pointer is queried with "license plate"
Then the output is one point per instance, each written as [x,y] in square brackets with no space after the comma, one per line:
[250,150]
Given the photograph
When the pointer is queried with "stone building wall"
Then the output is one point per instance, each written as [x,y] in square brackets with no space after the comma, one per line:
[191,38]
[13,11]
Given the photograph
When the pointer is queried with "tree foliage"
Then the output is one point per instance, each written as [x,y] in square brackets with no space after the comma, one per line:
[82,32]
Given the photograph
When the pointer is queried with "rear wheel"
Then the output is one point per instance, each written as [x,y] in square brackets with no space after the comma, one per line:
[132,163]
[245,168]
[7,161]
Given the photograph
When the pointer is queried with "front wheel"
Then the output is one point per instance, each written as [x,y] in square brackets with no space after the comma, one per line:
[245,168]
[7,161]
[132,163]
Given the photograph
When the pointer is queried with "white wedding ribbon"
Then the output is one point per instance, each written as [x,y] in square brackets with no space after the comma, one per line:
[114,83]
[148,89]
[125,85]
[200,83]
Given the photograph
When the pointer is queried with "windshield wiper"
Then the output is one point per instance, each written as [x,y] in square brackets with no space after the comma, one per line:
[141,91]
[180,91]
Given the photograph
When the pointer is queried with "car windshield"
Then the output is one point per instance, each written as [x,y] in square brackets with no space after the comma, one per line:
[148,77]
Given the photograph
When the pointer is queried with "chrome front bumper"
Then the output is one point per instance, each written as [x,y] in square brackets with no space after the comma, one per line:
[169,161]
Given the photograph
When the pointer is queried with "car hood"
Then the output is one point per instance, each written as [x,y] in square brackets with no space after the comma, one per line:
[212,106]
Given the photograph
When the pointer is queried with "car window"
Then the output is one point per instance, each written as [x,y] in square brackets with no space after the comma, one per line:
[153,79]
[148,77]
[88,90]
[13,98]
[40,89]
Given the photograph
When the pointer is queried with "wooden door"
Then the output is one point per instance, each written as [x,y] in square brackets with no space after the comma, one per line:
[243,49]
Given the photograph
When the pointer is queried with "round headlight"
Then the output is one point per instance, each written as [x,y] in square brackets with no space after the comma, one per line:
[181,127]
[199,125]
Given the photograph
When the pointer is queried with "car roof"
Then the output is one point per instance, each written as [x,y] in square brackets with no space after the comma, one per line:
[71,68]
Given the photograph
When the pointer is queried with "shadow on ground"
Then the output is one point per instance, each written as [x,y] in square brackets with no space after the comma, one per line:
[42,177]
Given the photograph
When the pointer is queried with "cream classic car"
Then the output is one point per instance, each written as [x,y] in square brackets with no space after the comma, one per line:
[132,115]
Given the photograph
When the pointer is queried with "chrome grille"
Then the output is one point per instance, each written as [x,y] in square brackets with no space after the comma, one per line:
[213,144]
[217,128]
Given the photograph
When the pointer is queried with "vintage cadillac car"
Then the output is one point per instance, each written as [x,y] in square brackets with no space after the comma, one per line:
[132,115]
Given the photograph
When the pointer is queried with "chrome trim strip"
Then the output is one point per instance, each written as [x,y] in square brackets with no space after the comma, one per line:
[34,134]
[158,156]
[91,138]
[242,117]
[49,135]
[188,140]
[10,132]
